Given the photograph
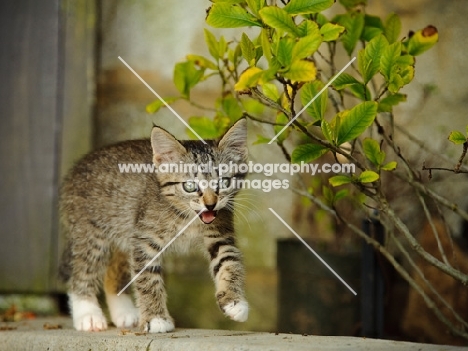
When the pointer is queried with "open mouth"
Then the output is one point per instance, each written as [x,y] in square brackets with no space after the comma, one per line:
[207,216]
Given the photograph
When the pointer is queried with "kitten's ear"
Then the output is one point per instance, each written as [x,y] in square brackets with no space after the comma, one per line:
[166,148]
[234,142]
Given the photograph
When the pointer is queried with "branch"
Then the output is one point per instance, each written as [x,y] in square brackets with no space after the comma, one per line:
[253,118]
[427,283]
[433,227]
[403,229]
[390,258]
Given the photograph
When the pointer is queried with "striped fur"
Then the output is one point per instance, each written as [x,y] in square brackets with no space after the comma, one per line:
[117,222]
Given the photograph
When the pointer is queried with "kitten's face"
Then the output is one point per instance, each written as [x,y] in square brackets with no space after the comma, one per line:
[199,185]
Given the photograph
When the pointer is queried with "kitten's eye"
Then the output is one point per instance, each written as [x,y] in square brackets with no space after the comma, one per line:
[190,186]
[224,183]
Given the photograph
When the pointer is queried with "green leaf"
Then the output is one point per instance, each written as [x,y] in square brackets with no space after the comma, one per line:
[372,151]
[341,194]
[344,80]
[389,59]
[406,60]
[307,28]
[222,46]
[339,180]
[373,26]
[302,7]
[270,91]
[204,127]
[307,153]
[350,4]
[248,49]
[354,24]
[392,28]
[248,79]
[255,5]
[328,131]
[235,54]
[360,91]
[395,83]
[266,44]
[369,33]
[231,107]
[389,166]
[212,44]
[423,40]
[253,107]
[457,137]
[222,123]
[331,32]
[222,15]
[278,18]
[370,61]
[186,76]
[261,140]
[368,177]
[156,105]
[202,62]
[387,103]
[359,118]
[301,71]
[320,19]
[407,74]
[283,51]
[306,46]
[318,108]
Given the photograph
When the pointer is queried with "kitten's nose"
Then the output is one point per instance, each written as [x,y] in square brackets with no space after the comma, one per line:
[210,207]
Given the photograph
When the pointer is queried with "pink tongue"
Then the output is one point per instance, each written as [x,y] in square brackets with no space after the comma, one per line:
[208,216]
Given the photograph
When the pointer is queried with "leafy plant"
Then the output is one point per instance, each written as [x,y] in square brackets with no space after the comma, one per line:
[285,64]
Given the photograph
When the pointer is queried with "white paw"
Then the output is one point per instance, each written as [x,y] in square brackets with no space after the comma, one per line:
[123,312]
[90,322]
[237,311]
[159,325]
[87,315]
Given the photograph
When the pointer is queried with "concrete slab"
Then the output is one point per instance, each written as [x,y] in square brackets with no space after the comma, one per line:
[57,334]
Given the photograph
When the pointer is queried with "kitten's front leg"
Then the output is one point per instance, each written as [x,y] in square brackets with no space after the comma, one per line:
[228,274]
[150,293]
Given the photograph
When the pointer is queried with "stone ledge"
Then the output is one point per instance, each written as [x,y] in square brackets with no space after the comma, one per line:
[41,334]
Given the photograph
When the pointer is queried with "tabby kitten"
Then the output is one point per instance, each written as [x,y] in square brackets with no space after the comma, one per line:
[118,222]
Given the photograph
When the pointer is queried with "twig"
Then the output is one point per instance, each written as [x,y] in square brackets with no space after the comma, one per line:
[270,103]
[426,282]
[403,273]
[403,229]
[460,160]
[433,227]
[201,107]
[253,118]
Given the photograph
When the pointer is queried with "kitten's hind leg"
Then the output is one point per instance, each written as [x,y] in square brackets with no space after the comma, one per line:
[88,259]
[123,312]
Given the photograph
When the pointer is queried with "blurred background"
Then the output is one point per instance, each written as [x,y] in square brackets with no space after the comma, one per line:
[64,92]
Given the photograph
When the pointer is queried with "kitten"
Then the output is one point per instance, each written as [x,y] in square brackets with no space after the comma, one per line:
[118,222]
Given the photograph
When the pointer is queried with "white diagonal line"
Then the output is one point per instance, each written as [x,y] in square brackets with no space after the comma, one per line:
[311,101]
[162,100]
[160,252]
[312,250]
